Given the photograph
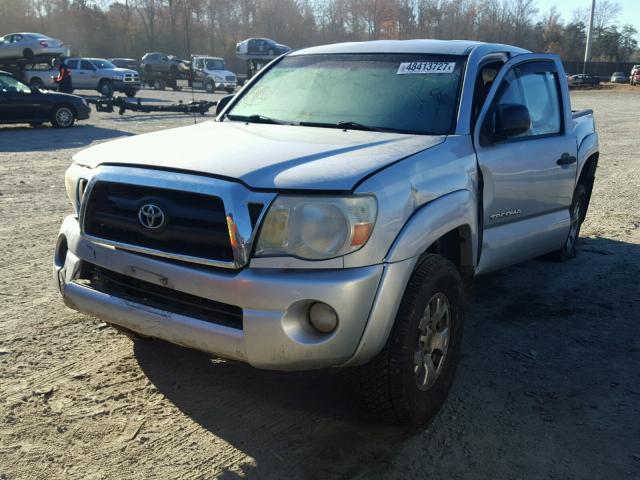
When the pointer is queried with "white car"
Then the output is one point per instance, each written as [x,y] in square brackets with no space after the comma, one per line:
[30,46]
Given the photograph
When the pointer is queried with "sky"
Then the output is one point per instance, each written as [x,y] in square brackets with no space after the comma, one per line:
[630,9]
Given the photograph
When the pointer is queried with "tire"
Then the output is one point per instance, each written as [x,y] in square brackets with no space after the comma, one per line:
[36,83]
[105,87]
[63,116]
[396,386]
[577,213]
[158,84]
[28,54]
[130,93]
[210,87]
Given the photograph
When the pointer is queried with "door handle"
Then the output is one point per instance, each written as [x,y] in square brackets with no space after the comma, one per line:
[566,159]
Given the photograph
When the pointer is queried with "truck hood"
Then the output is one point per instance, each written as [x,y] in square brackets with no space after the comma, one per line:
[220,73]
[262,155]
[121,71]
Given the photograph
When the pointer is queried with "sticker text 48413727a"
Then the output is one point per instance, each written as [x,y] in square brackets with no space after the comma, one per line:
[425,67]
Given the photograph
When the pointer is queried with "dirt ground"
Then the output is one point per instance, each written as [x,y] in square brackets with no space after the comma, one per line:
[548,386]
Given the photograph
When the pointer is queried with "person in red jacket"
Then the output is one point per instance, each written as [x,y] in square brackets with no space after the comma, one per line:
[64,77]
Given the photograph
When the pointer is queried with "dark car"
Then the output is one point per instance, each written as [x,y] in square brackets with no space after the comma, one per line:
[583,79]
[161,62]
[20,103]
[261,46]
[130,63]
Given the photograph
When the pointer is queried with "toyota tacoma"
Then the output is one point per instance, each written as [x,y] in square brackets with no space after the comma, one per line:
[335,212]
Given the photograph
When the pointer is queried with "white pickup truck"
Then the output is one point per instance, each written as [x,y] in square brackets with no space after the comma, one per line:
[335,212]
[211,74]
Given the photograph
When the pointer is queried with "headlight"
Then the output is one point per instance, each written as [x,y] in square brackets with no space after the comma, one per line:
[117,77]
[75,184]
[316,228]
[217,78]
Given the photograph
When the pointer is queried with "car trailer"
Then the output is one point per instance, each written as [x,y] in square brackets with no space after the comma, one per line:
[162,80]
[255,63]
[109,104]
[17,67]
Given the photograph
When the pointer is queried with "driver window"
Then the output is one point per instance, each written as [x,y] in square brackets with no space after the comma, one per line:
[11,85]
[86,65]
[537,89]
[72,64]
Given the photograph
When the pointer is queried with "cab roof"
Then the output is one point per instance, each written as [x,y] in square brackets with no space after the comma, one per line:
[437,47]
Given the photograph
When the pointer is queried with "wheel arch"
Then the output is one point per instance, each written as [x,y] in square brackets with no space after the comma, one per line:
[587,177]
[447,226]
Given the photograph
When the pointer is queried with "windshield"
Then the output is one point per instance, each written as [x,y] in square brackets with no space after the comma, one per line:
[407,93]
[101,64]
[214,65]
[10,84]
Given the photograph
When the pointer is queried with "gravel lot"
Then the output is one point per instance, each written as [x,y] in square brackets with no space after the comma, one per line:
[548,386]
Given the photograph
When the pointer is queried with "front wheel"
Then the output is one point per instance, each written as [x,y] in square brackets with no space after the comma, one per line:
[63,117]
[210,87]
[36,83]
[105,88]
[577,213]
[409,380]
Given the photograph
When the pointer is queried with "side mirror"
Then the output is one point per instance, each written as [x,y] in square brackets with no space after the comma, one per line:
[222,103]
[510,120]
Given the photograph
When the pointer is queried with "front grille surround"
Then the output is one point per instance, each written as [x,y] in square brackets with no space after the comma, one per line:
[238,201]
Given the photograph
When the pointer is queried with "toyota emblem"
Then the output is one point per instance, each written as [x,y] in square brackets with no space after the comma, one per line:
[151,216]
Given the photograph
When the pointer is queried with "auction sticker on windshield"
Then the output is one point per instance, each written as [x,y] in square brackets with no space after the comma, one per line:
[426,67]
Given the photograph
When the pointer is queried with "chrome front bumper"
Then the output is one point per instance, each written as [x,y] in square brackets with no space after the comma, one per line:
[276,333]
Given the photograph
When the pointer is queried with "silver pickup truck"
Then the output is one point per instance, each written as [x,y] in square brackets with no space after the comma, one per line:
[335,212]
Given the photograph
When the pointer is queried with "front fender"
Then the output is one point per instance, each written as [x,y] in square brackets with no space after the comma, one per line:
[438,217]
[425,226]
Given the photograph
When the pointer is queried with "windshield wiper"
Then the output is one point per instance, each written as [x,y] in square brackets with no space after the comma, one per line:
[257,118]
[349,125]
[360,126]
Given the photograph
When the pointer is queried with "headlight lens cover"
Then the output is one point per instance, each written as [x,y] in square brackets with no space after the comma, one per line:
[316,228]
[75,184]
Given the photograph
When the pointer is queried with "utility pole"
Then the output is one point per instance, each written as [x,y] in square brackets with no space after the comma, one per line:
[587,50]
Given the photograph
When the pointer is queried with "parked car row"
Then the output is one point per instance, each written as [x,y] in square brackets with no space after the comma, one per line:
[616,77]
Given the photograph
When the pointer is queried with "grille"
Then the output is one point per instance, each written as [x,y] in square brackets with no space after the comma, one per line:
[195,225]
[163,298]
[230,78]
[130,77]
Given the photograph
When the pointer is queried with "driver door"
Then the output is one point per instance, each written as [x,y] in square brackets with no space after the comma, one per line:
[85,76]
[528,179]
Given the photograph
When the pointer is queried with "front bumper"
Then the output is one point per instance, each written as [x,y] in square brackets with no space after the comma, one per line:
[83,112]
[275,331]
[121,86]
[226,85]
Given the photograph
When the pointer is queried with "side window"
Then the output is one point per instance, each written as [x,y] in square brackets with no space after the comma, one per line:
[200,63]
[86,65]
[72,64]
[543,101]
[535,87]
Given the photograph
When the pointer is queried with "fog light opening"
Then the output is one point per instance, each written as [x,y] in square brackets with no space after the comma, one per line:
[61,251]
[323,318]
